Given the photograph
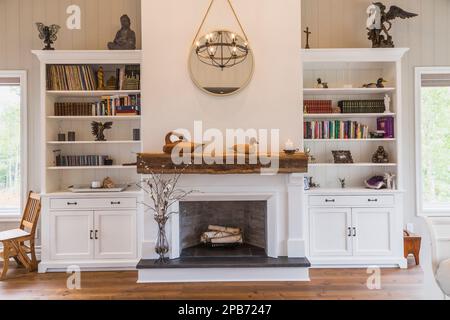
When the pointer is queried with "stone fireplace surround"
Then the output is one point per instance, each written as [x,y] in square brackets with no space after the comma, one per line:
[285,232]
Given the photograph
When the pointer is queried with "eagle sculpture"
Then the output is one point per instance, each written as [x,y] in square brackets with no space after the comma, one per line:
[98,129]
[380,23]
[48,34]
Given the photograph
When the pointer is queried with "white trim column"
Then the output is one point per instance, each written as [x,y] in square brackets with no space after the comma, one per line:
[296,216]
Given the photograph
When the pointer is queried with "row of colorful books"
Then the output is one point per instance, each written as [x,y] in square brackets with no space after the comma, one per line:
[108,106]
[71,78]
[81,161]
[335,130]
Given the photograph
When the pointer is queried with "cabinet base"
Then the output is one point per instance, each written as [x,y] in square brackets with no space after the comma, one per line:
[70,266]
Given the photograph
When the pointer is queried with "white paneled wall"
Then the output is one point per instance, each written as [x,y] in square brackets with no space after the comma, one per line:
[341,24]
[18,36]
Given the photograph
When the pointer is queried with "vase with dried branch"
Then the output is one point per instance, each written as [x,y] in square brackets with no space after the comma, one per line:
[164,193]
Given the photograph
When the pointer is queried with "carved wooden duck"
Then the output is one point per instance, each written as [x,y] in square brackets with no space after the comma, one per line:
[380,84]
[248,148]
[181,144]
[321,85]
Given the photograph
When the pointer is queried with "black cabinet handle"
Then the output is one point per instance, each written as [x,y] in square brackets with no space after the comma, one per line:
[72,203]
[349,231]
[92,235]
[330,200]
[96,234]
[373,200]
[115,203]
[354,232]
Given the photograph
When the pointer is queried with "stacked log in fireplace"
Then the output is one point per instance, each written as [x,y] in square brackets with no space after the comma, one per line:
[219,236]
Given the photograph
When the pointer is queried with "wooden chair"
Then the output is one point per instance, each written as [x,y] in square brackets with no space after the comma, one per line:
[14,240]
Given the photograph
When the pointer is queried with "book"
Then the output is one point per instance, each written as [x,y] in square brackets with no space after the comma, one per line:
[70,78]
[386,124]
[335,129]
[318,106]
[362,106]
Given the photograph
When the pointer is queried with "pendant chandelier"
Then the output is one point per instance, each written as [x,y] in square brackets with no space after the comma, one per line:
[221,49]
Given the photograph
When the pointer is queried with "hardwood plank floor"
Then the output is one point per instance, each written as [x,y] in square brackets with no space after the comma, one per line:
[326,284]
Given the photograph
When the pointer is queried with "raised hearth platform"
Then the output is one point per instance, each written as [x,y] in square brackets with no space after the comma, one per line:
[244,251]
[224,270]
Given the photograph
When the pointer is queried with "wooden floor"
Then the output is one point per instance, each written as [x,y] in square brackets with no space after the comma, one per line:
[326,284]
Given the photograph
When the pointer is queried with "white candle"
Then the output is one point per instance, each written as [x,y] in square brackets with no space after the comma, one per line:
[289,145]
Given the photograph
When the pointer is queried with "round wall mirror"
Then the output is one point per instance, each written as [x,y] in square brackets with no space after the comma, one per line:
[221,63]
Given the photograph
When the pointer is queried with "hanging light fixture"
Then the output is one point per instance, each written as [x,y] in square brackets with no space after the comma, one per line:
[222,49]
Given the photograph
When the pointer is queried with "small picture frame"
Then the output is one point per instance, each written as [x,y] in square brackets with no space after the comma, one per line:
[342,157]
[306,183]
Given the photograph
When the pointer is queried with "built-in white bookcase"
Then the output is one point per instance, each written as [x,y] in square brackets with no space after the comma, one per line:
[120,145]
[342,68]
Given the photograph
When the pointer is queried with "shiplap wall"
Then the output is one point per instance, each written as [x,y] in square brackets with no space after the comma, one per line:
[341,24]
[18,36]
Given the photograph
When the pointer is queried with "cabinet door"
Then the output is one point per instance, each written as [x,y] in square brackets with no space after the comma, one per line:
[330,232]
[372,231]
[115,235]
[71,235]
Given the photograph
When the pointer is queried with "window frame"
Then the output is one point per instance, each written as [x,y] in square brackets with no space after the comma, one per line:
[422,211]
[22,75]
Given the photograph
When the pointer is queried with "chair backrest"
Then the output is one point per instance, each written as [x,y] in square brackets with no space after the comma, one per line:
[31,213]
[440,239]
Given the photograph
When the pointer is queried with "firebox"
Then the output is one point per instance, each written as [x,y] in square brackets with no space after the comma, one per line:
[249,217]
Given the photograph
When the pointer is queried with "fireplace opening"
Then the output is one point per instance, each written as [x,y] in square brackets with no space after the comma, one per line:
[244,222]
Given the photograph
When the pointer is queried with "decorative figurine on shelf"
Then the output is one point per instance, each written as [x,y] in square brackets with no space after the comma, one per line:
[108,183]
[98,129]
[125,38]
[342,157]
[387,103]
[101,79]
[376,183]
[381,156]
[311,158]
[321,84]
[342,182]
[308,33]
[48,34]
[379,84]
[390,181]
[312,184]
[247,148]
[181,144]
[380,22]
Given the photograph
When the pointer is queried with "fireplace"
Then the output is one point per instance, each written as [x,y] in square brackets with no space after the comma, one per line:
[250,217]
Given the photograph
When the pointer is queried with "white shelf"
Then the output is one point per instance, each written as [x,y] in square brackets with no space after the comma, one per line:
[347,115]
[353,55]
[350,140]
[382,165]
[92,142]
[349,191]
[346,91]
[91,93]
[94,168]
[115,118]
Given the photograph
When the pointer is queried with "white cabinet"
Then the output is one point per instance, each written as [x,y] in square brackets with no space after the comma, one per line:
[72,235]
[329,236]
[345,231]
[115,234]
[372,230]
[94,232]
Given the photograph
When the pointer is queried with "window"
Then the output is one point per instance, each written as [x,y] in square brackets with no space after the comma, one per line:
[433,140]
[12,142]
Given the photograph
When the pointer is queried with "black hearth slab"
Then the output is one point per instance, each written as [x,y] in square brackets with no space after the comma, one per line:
[244,251]
[209,263]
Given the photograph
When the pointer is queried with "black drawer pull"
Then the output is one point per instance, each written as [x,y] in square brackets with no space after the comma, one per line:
[354,232]
[115,203]
[349,231]
[373,200]
[92,235]
[72,203]
[96,234]
[330,200]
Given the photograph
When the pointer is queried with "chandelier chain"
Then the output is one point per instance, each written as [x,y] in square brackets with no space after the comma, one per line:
[207,13]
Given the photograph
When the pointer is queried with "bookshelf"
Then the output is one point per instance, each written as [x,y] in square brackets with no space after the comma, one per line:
[120,145]
[342,68]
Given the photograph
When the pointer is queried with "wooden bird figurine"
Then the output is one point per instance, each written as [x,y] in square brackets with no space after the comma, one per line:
[380,84]
[181,144]
[321,84]
[248,148]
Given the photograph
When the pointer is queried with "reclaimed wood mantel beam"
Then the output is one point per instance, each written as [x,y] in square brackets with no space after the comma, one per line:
[162,163]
